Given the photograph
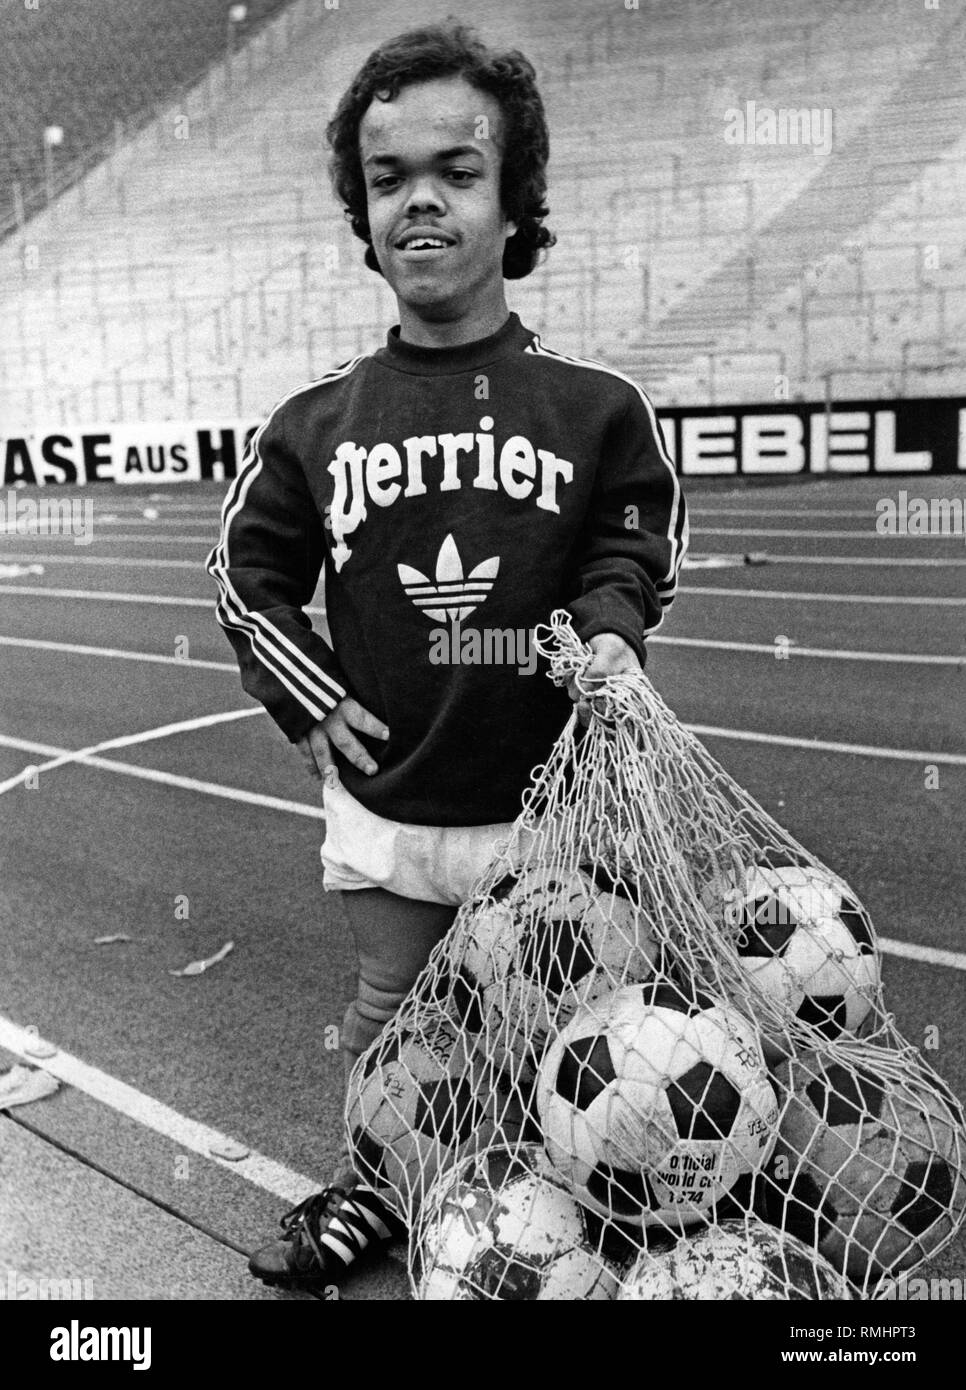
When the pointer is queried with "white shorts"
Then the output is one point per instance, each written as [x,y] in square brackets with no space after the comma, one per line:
[432,863]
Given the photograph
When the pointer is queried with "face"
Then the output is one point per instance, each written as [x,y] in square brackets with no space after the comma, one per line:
[431,159]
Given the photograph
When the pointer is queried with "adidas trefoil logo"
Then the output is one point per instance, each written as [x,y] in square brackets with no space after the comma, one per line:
[460,595]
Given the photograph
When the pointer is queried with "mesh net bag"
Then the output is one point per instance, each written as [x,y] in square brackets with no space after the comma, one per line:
[651,1057]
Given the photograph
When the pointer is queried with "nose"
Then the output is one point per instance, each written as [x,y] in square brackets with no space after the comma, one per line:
[424,195]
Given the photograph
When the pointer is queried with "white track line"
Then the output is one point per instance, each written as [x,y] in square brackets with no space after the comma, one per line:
[139,562]
[870,535]
[125,516]
[706,643]
[115,596]
[805,514]
[23,531]
[118,520]
[76,649]
[188,516]
[117,653]
[170,779]
[184,726]
[209,541]
[862,750]
[256,1168]
[931,955]
[108,595]
[133,562]
[822,653]
[769,559]
[819,488]
[783,532]
[161,505]
[712,589]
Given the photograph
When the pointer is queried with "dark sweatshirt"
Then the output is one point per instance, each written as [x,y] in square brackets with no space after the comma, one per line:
[452,495]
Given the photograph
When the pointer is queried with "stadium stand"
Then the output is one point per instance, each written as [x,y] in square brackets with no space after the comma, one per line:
[98,71]
[202,267]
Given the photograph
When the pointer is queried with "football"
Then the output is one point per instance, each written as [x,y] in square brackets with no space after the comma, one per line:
[867,1169]
[502,1226]
[733,1260]
[544,944]
[655,1103]
[804,942]
[418,1099]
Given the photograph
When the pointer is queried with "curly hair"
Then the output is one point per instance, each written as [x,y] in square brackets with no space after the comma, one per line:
[443,50]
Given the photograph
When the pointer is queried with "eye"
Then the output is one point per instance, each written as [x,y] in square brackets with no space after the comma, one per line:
[461,175]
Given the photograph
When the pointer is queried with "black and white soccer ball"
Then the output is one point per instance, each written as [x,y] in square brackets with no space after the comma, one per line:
[654,1104]
[542,944]
[502,1226]
[868,1169]
[734,1260]
[804,942]
[418,1099]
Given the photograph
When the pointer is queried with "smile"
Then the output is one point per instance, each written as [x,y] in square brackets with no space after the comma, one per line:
[421,253]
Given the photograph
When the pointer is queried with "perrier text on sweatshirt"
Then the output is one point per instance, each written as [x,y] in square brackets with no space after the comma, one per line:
[448,489]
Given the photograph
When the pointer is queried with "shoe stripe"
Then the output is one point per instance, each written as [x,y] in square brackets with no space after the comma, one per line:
[375,1209]
[377,1225]
[346,1230]
[349,1226]
[368,1197]
[364,1214]
[344,1252]
[369,1194]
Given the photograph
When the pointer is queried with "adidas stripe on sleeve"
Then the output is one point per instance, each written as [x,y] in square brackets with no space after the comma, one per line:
[636,536]
[266,565]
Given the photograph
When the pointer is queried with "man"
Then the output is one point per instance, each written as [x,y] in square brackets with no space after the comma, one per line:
[463,475]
